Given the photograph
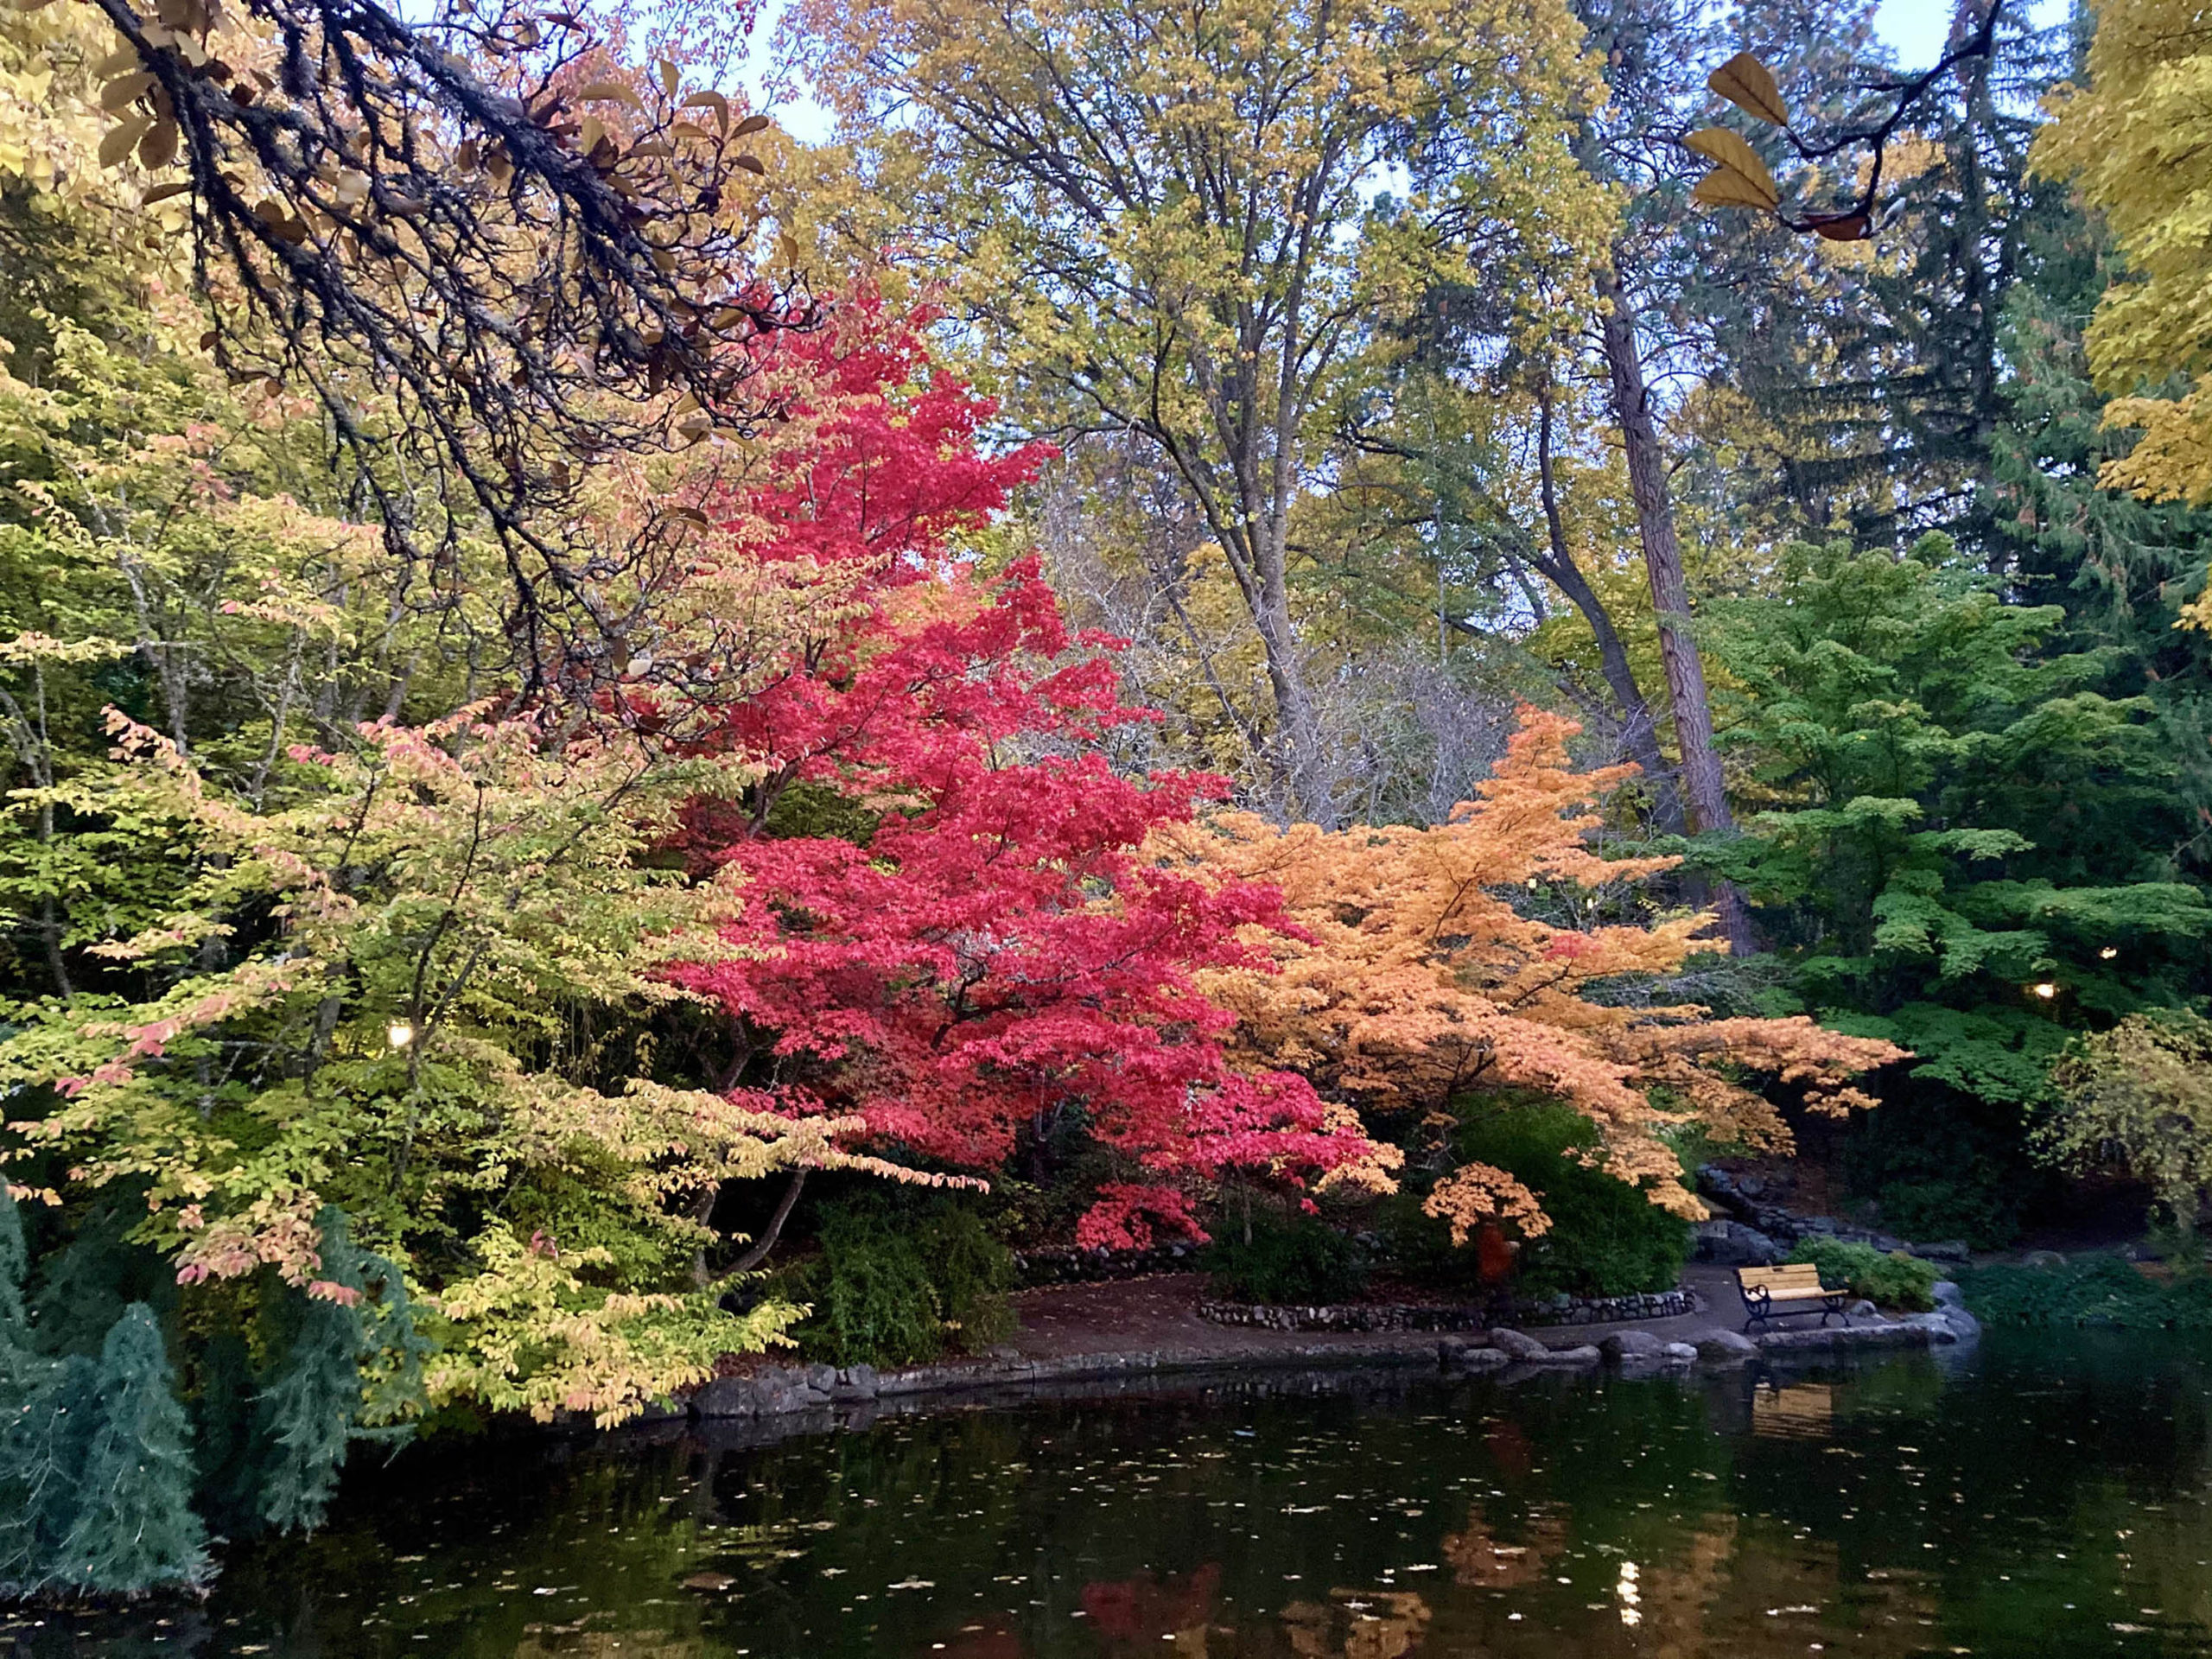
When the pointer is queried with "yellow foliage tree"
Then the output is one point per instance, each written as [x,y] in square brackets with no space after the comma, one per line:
[2137,142]
[1174,222]
[1418,978]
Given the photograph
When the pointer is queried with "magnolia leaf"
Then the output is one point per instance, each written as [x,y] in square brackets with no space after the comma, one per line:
[752,163]
[1749,85]
[670,76]
[120,63]
[1729,150]
[751,125]
[787,247]
[1726,187]
[123,139]
[163,192]
[1841,227]
[613,91]
[125,89]
[714,101]
[158,148]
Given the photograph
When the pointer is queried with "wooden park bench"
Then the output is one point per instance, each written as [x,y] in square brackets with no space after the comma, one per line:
[1794,1287]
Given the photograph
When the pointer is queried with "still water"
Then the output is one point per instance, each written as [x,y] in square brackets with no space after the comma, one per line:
[2031,1498]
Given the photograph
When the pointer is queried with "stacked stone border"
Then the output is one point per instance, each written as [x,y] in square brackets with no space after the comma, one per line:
[1415,1316]
[824,1396]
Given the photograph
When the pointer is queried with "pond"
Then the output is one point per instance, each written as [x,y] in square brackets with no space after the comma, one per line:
[2033,1498]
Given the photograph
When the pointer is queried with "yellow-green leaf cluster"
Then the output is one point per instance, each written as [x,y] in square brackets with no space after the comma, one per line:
[2136,140]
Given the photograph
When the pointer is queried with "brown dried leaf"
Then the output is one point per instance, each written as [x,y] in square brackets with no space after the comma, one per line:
[1726,187]
[124,89]
[711,100]
[123,139]
[158,148]
[1729,150]
[751,125]
[1841,227]
[1750,86]
[752,163]
[611,91]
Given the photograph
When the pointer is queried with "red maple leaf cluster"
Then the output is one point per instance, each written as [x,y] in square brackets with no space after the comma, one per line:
[978,946]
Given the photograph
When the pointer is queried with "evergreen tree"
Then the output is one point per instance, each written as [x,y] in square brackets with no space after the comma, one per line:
[1965,842]
[97,1272]
[319,1400]
[52,1411]
[15,1267]
[135,1529]
[2123,568]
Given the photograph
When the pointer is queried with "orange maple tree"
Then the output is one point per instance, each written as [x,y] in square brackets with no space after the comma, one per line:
[1412,977]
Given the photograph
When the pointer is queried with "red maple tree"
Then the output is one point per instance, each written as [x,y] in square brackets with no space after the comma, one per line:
[949,928]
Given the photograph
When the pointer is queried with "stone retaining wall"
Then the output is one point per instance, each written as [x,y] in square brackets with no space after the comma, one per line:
[1395,1316]
[1070,1267]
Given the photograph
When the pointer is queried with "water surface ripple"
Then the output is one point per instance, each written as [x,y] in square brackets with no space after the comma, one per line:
[2036,1497]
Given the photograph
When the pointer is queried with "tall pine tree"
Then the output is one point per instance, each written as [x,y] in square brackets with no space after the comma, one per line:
[135,1529]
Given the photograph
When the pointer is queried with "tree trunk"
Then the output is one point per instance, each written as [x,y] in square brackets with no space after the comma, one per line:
[1304,771]
[1639,732]
[1707,797]
[774,1231]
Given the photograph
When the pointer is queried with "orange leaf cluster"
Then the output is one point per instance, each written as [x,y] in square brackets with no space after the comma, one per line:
[1413,976]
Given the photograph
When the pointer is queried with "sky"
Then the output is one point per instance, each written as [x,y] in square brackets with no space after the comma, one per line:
[1917,27]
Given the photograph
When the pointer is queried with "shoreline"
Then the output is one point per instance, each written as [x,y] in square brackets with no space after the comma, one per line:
[1135,1329]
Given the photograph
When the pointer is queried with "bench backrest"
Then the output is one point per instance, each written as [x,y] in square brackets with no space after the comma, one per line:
[1790,1275]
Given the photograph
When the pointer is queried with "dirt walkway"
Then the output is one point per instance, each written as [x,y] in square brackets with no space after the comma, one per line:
[1160,1315]
[1116,1335]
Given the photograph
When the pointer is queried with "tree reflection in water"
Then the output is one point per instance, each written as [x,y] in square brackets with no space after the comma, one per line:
[2048,1499]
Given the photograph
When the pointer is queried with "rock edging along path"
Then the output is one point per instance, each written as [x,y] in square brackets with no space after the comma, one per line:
[1678,1343]
[1442,1316]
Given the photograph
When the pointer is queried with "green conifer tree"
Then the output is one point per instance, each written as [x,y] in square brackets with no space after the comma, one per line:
[135,1529]
[15,1267]
[53,1410]
[1964,844]
[322,1399]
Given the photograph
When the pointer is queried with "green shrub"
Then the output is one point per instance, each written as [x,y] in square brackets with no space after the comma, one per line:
[2092,1290]
[1606,1238]
[1419,1247]
[1893,1281]
[1944,1168]
[895,1286]
[1286,1259]
[971,1272]
[1983,1212]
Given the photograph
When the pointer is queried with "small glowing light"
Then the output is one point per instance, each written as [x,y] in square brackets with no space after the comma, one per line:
[400,1033]
[1631,1595]
[2044,990]
[2109,953]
